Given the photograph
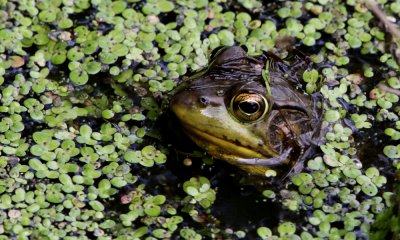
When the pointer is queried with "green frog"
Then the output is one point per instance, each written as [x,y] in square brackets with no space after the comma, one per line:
[255,122]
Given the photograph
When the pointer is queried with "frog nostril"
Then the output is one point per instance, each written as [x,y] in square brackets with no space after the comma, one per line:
[203,100]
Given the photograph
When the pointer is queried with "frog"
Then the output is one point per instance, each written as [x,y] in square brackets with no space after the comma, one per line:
[251,111]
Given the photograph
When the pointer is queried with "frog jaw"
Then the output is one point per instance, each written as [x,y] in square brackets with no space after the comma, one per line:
[248,160]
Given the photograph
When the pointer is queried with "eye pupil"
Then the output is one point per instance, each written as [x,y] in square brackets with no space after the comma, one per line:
[249,107]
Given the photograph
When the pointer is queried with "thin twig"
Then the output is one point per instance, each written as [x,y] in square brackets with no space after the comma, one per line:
[390,29]
[385,88]
[381,16]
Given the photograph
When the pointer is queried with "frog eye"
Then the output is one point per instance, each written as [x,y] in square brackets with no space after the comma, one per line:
[249,107]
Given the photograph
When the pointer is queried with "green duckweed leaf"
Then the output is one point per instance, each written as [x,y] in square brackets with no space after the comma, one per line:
[79,77]
[133,156]
[264,232]
[48,15]
[92,67]
[152,210]
[331,116]
[96,205]
[89,47]
[369,189]
[286,228]
[75,54]
[55,197]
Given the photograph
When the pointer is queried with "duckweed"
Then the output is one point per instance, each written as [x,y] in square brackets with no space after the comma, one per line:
[199,191]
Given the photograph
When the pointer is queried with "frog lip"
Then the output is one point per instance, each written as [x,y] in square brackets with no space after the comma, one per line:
[220,147]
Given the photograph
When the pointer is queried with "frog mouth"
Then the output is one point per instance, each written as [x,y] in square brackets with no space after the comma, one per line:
[231,152]
[226,146]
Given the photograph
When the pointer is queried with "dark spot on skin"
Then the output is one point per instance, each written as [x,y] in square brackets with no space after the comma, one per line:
[204,100]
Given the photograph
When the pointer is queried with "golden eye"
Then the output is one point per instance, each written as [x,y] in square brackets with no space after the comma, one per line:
[249,107]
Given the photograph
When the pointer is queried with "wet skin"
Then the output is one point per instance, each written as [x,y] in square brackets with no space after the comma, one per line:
[228,110]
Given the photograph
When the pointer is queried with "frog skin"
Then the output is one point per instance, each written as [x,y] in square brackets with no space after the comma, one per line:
[230,111]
